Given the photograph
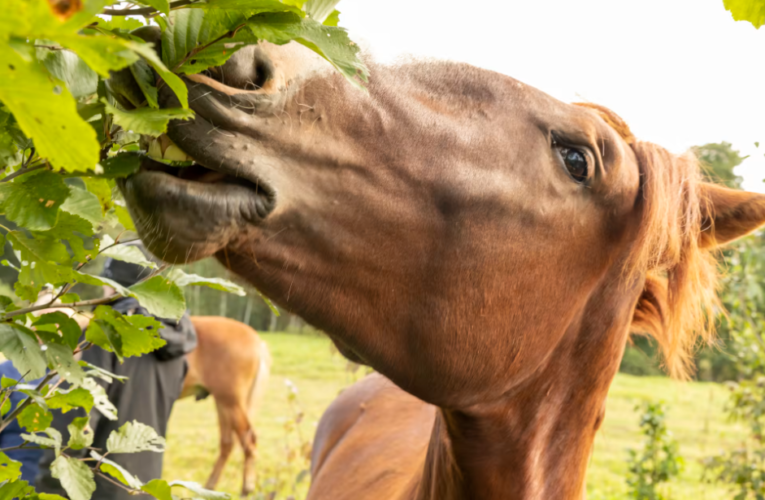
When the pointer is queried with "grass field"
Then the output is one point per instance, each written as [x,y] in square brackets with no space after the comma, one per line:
[695,417]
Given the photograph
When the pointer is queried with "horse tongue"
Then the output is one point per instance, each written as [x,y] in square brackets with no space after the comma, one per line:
[201,175]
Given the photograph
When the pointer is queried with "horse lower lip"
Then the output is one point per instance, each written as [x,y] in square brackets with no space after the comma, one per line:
[197,202]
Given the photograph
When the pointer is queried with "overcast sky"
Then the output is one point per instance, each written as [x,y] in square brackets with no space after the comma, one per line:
[680,72]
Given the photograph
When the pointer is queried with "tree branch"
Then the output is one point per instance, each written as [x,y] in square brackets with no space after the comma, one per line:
[145,11]
[69,305]
[22,171]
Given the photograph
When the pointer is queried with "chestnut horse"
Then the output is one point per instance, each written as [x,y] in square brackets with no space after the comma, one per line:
[484,246]
[232,364]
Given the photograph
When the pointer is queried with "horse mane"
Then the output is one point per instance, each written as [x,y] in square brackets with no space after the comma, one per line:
[679,297]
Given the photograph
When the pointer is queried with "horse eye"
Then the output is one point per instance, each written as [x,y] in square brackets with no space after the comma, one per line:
[576,163]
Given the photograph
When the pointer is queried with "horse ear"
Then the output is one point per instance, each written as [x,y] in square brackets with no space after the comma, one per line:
[728,214]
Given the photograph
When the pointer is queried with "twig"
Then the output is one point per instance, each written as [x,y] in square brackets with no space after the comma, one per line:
[22,171]
[50,47]
[82,303]
[143,11]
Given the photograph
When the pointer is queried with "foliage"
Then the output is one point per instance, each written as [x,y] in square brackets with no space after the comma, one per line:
[747,10]
[64,140]
[718,161]
[658,462]
[743,468]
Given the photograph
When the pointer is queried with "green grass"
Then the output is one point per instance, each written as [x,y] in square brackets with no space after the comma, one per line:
[695,417]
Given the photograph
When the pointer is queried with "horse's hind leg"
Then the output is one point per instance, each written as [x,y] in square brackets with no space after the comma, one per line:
[248,440]
[225,424]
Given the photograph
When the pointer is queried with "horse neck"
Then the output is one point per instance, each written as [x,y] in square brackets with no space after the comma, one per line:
[536,441]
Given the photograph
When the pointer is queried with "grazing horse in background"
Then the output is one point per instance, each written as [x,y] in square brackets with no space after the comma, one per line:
[485,247]
[232,364]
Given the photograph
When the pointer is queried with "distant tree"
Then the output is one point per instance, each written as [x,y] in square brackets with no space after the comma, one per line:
[718,159]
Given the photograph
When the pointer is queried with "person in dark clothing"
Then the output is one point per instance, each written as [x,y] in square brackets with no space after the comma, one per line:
[154,383]
[11,435]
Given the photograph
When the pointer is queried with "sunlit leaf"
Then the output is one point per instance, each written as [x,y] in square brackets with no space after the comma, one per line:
[160,296]
[19,344]
[10,470]
[46,112]
[148,121]
[75,476]
[182,279]
[201,492]
[34,418]
[33,200]
[158,488]
[133,437]
[73,398]
[747,10]
[80,433]
[83,203]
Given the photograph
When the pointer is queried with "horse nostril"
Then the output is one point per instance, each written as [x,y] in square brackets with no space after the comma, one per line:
[248,69]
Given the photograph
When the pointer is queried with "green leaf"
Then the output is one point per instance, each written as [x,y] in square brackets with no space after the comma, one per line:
[58,322]
[101,53]
[75,477]
[192,29]
[182,279]
[50,496]
[148,121]
[201,492]
[747,10]
[158,488]
[16,489]
[46,112]
[69,227]
[120,165]
[19,344]
[35,418]
[132,335]
[171,79]
[125,253]
[144,77]
[250,8]
[117,471]
[10,470]
[61,358]
[52,441]
[320,10]
[161,5]
[68,400]
[123,216]
[104,336]
[134,437]
[80,433]
[69,68]
[119,23]
[7,382]
[329,42]
[98,372]
[161,297]
[32,200]
[83,203]
[100,399]
[102,190]
[333,19]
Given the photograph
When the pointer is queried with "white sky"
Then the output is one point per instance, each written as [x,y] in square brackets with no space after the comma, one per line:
[680,72]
